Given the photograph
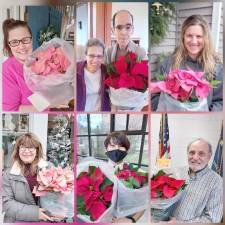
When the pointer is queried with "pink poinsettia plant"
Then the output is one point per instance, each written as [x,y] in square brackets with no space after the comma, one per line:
[131,176]
[54,179]
[94,193]
[183,85]
[50,61]
[128,72]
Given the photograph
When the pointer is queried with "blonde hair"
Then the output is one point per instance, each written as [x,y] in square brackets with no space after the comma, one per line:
[208,57]
[27,140]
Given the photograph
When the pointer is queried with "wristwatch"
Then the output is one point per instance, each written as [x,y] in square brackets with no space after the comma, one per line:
[131,218]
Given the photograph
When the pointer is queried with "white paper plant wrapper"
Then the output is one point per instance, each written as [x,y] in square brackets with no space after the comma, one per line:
[54,88]
[130,201]
[126,99]
[59,204]
[106,169]
[167,103]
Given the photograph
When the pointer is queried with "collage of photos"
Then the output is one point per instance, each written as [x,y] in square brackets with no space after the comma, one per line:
[111,112]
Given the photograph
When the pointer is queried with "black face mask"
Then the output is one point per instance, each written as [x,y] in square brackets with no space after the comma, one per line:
[116,155]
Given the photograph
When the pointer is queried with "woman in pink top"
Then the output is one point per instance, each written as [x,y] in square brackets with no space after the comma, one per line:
[17,44]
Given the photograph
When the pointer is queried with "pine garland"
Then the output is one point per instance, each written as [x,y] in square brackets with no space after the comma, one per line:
[161,13]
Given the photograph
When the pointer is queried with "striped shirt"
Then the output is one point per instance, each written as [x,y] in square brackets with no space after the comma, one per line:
[202,200]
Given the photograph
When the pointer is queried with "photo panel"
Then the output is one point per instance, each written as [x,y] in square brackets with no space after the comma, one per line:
[186,56]
[186,167]
[112,56]
[112,168]
[38,60]
[38,167]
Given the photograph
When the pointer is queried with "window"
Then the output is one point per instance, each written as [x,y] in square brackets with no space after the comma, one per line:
[92,130]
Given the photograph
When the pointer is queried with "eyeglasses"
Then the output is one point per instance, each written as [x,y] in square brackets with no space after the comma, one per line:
[30,149]
[14,43]
[91,56]
[127,27]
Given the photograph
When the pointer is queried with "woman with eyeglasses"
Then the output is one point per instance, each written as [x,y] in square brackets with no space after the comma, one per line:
[19,204]
[17,45]
[91,90]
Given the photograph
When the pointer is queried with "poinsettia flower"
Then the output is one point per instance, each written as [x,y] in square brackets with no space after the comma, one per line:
[123,174]
[140,68]
[120,67]
[50,61]
[126,81]
[107,193]
[168,192]
[97,209]
[176,183]
[128,73]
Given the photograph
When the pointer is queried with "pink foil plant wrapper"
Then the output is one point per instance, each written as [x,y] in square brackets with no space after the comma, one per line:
[50,61]
[181,83]
[55,180]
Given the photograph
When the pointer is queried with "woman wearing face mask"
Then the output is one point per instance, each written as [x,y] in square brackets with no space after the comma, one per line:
[19,204]
[117,145]
[17,45]
[195,51]
[91,73]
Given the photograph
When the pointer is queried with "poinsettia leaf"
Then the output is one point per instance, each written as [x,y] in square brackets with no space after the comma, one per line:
[81,174]
[160,77]
[160,173]
[127,184]
[81,206]
[159,193]
[133,167]
[91,170]
[134,182]
[106,182]
[214,83]
[142,173]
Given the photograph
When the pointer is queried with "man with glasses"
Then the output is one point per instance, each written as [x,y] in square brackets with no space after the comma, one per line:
[123,28]
[91,91]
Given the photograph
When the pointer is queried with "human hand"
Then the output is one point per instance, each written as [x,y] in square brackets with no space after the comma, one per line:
[172,220]
[44,216]
[121,220]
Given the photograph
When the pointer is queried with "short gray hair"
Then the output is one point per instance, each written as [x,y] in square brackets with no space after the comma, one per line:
[94,42]
[203,140]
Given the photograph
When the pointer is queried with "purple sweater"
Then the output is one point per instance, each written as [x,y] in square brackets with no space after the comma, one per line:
[81,88]
[14,88]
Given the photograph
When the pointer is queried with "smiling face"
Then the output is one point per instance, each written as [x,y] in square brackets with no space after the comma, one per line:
[21,51]
[194,41]
[198,155]
[27,154]
[123,28]
[94,57]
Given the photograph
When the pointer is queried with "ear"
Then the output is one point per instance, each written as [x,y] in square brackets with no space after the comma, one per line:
[112,30]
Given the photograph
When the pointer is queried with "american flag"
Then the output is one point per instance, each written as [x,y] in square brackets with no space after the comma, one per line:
[217,164]
[164,142]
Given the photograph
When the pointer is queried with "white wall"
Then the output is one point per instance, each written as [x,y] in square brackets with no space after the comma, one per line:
[139,10]
[82,16]
[39,125]
[184,128]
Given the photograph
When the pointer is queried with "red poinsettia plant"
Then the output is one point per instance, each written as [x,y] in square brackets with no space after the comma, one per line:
[94,193]
[164,186]
[132,176]
[128,72]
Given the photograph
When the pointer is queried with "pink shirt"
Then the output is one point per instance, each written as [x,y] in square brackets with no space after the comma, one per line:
[15,90]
